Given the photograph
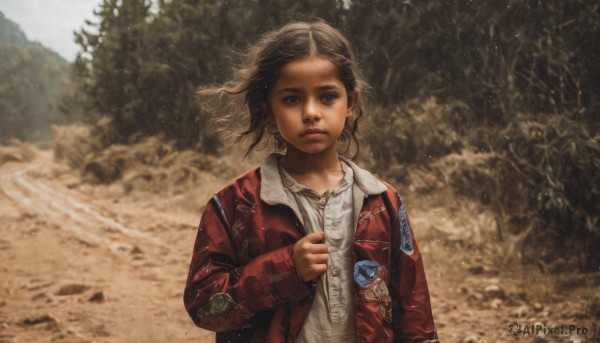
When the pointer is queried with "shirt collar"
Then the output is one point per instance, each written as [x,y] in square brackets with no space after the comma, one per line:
[290,183]
[272,189]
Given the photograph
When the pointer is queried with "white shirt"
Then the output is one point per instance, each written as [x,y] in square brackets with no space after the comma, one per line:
[331,316]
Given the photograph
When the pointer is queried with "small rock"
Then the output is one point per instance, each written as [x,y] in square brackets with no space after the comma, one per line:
[39,296]
[72,289]
[136,250]
[521,311]
[462,290]
[521,296]
[470,337]
[38,320]
[496,303]
[494,291]
[475,299]
[477,296]
[476,270]
[97,297]
[537,307]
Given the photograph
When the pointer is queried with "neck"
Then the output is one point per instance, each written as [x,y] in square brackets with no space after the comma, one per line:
[298,162]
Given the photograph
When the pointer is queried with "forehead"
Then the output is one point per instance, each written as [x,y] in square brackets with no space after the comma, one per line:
[312,70]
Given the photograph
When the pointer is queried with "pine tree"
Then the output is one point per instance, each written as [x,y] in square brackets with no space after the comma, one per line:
[110,63]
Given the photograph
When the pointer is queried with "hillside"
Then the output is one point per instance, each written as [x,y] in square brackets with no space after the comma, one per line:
[11,33]
[32,83]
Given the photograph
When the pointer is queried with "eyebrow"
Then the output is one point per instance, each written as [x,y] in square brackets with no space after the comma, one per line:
[299,90]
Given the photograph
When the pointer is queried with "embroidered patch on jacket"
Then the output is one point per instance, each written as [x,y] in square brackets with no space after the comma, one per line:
[221,311]
[368,215]
[405,237]
[371,278]
[243,217]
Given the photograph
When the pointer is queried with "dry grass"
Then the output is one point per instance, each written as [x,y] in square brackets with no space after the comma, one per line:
[17,151]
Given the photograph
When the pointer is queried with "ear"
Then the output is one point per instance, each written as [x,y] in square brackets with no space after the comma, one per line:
[352,98]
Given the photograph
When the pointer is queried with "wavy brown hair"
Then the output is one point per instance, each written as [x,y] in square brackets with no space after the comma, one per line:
[260,68]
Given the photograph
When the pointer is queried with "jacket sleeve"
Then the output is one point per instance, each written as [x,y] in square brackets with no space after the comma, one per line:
[221,295]
[412,318]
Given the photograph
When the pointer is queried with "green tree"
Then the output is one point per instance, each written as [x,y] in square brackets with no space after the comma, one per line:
[31,81]
[142,69]
[110,63]
[497,68]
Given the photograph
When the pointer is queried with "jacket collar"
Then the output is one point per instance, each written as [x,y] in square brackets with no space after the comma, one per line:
[272,190]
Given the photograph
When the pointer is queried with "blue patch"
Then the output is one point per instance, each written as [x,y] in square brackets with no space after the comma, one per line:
[405,237]
[365,272]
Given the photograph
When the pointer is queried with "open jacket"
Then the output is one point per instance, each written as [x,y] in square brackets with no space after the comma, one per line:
[243,282]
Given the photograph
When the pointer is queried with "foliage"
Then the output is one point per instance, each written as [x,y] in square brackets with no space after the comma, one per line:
[499,57]
[112,78]
[517,85]
[31,80]
[511,85]
[549,179]
[541,182]
[539,176]
[142,69]
[416,132]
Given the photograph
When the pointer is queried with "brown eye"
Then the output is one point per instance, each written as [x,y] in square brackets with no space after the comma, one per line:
[290,100]
[328,97]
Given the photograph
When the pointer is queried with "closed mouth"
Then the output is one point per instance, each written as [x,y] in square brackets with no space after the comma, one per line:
[312,131]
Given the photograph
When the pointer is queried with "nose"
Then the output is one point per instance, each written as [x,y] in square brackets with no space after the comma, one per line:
[311,111]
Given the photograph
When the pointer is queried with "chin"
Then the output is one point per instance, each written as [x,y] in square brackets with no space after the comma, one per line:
[313,150]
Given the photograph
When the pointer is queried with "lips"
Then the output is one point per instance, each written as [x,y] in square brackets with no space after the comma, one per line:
[312,132]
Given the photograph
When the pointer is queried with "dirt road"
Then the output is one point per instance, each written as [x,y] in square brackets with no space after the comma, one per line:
[77,267]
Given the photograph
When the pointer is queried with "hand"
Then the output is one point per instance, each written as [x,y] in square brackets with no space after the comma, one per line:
[311,256]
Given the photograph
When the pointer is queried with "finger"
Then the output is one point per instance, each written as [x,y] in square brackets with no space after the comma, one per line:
[319,249]
[320,259]
[305,247]
[316,237]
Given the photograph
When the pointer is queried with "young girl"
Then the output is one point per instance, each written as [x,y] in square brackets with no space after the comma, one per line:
[309,247]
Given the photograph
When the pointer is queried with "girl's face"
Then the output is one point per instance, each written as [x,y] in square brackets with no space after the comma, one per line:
[309,104]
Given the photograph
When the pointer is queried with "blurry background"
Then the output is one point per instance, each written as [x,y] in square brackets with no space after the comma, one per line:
[485,116]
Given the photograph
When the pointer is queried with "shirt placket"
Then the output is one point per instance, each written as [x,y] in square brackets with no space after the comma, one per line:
[330,206]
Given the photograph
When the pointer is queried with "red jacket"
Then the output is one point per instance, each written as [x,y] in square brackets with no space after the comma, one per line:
[243,282]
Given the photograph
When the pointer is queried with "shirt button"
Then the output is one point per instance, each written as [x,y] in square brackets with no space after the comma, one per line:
[322,202]
[335,272]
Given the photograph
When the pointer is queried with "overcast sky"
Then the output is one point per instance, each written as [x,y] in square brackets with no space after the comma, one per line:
[51,22]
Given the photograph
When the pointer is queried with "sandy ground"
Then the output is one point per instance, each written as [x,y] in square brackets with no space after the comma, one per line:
[83,263]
